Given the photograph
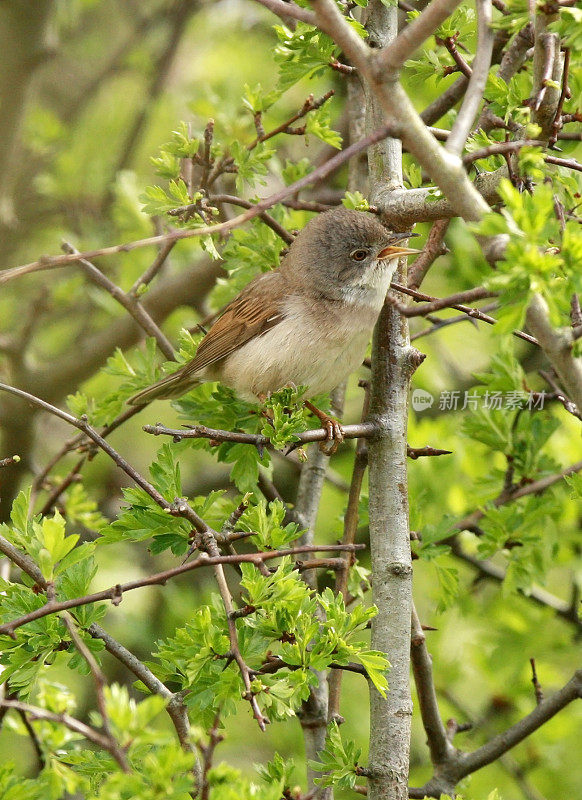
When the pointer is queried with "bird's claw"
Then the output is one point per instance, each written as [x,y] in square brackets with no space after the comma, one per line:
[334,436]
[334,433]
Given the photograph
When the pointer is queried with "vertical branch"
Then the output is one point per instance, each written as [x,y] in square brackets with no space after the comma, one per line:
[313,714]
[384,158]
[390,717]
[547,67]
[349,537]
[481,63]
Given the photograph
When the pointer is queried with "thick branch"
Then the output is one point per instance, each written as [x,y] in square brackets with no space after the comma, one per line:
[403,208]
[481,63]
[439,745]
[285,10]
[558,348]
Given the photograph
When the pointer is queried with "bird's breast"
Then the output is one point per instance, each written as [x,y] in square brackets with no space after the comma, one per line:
[317,344]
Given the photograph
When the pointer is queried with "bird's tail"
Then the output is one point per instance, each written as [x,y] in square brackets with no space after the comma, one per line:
[174,385]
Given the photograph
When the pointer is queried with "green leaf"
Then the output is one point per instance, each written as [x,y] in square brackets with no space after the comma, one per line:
[338,760]
[355,200]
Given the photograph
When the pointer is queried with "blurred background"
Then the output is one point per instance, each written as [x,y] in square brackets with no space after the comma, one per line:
[89,90]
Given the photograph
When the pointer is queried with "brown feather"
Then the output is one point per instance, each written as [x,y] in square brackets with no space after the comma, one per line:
[248,315]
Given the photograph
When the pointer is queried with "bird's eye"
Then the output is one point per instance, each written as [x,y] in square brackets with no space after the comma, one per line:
[359,255]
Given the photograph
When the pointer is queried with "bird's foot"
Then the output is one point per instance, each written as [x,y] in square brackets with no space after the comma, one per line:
[332,427]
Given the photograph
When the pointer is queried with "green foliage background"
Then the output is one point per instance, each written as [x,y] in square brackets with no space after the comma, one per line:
[74,183]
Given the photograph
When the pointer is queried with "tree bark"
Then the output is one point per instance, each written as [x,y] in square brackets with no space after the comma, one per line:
[392,358]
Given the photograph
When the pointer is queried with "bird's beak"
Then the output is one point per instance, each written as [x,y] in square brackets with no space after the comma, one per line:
[393,251]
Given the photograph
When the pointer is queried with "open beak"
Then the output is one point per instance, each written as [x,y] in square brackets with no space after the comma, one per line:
[393,251]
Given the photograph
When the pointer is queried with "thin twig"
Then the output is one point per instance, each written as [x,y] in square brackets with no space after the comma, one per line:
[568,163]
[412,36]
[364,429]
[127,300]
[73,724]
[318,174]
[178,508]
[474,313]
[100,683]
[500,148]
[208,753]
[146,278]
[175,707]
[543,598]
[433,248]
[351,519]
[436,735]
[115,593]
[450,43]
[436,304]
[536,684]
[282,232]
[7,462]
[33,738]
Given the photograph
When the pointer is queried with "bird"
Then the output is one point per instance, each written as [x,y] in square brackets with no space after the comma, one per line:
[306,323]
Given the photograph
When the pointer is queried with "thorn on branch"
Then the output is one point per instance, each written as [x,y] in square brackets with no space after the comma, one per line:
[346,69]
[536,684]
[453,727]
[420,452]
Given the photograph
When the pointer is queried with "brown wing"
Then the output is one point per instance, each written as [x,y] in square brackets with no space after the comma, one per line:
[252,312]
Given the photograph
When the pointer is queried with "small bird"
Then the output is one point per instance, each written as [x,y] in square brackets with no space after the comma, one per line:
[306,323]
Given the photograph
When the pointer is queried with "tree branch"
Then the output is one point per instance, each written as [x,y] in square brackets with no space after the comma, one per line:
[100,683]
[318,174]
[544,711]
[480,71]
[127,300]
[175,707]
[439,745]
[365,429]
[73,724]
[178,508]
[394,55]
[115,593]
[558,348]
[487,569]
[289,9]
